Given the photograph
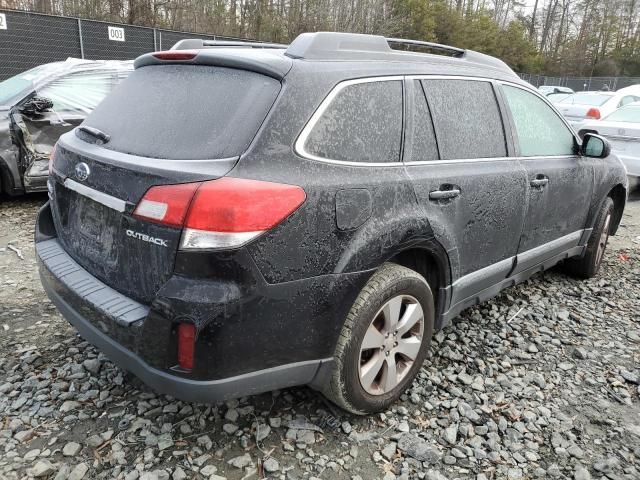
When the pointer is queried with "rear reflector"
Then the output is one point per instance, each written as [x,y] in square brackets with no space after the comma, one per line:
[186,345]
[223,213]
[176,55]
[593,113]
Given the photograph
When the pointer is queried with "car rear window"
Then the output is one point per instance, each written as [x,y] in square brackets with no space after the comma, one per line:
[630,113]
[593,100]
[185,112]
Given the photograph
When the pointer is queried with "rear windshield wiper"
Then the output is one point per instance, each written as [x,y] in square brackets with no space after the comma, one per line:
[95,133]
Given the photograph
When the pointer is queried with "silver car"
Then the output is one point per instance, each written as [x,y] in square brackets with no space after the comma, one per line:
[585,106]
[622,129]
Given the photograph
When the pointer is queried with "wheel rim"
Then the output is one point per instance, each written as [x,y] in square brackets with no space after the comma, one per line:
[602,241]
[391,344]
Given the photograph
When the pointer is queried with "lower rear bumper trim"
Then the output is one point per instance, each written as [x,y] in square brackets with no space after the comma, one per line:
[283,376]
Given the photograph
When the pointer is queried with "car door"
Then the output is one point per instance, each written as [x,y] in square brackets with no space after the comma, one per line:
[473,194]
[560,182]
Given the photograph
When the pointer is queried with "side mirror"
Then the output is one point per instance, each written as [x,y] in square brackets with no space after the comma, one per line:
[595,146]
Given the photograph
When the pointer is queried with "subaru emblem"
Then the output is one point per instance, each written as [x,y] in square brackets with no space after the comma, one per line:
[82,171]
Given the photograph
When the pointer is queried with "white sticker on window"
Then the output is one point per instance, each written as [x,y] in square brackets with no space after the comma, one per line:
[3,21]
[116,33]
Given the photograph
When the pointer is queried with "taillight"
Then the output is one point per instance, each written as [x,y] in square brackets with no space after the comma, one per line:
[223,213]
[186,345]
[52,156]
[176,55]
[166,204]
[593,113]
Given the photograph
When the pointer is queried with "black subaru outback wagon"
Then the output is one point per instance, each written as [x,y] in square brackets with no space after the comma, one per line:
[239,218]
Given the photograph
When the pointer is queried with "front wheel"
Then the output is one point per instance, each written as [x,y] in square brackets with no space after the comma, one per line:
[588,265]
[384,341]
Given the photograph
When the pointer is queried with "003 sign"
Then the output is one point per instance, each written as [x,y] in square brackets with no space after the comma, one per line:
[116,34]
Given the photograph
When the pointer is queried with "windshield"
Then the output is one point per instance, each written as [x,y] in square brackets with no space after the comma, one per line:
[630,113]
[16,87]
[591,99]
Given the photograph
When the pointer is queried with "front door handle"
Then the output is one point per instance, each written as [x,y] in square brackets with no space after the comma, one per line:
[540,181]
[444,194]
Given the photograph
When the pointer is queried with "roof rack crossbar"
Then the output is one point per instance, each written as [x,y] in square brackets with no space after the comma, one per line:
[458,52]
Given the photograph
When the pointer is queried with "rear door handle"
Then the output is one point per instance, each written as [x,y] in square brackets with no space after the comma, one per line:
[539,182]
[444,194]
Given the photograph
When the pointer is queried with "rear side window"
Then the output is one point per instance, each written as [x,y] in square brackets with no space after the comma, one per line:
[540,130]
[185,112]
[363,123]
[466,118]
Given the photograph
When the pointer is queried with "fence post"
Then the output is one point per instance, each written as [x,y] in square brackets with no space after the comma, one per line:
[80,36]
[155,43]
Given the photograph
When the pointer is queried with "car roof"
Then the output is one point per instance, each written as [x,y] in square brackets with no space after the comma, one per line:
[356,54]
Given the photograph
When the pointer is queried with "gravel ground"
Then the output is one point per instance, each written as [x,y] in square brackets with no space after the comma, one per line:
[541,382]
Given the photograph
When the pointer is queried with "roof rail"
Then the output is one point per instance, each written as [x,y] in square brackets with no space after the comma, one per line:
[198,43]
[355,46]
[455,51]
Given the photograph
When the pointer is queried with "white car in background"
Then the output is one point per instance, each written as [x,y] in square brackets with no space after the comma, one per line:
[622,129]
[585,106]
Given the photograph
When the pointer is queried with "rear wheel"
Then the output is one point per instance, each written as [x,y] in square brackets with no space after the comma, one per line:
[383,342]
[589,264]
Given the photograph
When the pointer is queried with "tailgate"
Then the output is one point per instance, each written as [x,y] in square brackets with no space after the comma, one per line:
[94,222]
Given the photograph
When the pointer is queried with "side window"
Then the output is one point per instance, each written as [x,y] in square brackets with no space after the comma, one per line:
[423,145]
[363,123]
[627,100]
[466,119]
[540,130]
[78,93]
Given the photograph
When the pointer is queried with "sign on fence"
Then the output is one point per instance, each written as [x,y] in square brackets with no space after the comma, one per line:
[116,34]
[3,21]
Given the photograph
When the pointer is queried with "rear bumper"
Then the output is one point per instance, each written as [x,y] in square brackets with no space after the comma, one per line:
[273,336]
[308,372]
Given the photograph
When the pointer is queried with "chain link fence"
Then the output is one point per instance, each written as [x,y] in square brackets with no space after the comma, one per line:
[31,39]
[581,83]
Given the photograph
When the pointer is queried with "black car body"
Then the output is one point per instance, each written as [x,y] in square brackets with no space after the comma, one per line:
[213,221]
[39,105]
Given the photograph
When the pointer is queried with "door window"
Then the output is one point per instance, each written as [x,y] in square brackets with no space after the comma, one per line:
[466,118]
[78,93]
[541,132]
[363,123]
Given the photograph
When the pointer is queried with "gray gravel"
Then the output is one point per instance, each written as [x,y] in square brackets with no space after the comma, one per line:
[541,382]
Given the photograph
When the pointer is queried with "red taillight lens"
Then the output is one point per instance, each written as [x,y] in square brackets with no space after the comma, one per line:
[176,55]
[166,204]
[186,345]
[240,205]
[593,113]
[222,213]
[52,156]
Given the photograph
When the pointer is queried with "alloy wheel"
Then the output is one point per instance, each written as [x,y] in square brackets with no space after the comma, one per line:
[391,344]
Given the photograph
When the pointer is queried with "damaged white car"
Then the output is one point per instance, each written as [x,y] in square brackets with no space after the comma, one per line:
[38,106]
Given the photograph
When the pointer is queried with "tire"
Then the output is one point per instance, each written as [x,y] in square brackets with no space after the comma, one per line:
[391,286]
[588,265]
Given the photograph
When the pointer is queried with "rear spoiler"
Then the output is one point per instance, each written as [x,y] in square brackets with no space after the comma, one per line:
[274,64]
